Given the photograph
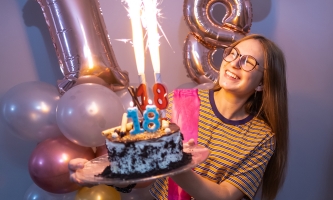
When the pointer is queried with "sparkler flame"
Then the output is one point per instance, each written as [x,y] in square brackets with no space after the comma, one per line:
[134,8]
[145,13]
[150,16]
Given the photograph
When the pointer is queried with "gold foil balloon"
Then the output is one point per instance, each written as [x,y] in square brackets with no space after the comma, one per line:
[208,34]
[81,43]
[100,192]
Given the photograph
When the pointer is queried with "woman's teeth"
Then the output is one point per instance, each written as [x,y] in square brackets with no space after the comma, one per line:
[231,75]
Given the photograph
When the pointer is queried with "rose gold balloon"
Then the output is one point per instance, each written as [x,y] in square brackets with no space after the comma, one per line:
[101,150]
[48,164]
[81,42]
[208,35]
[198,60]
[234,25]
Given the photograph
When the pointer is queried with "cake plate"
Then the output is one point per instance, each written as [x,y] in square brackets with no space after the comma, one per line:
[87,175]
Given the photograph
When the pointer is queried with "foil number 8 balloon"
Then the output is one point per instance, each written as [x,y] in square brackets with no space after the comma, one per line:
[207,35]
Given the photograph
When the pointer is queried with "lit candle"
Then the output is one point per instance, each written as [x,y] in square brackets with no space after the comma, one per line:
[132,112]
[151,124]
[123,123]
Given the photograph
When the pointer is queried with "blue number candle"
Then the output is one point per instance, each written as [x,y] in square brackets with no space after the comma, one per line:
[133,113]
[151,124]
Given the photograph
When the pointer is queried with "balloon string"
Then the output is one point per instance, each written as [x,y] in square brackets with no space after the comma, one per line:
[132,92]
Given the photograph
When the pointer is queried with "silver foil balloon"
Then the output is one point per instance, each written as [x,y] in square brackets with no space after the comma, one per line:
[236,22]
[198,60]
[208,35]
[81,42]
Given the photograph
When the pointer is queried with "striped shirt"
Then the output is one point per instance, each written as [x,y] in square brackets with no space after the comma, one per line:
[239,149]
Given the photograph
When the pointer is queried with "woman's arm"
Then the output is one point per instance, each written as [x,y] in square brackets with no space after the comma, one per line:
[202,189]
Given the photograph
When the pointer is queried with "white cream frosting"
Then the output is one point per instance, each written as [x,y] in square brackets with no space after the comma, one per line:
[133,160]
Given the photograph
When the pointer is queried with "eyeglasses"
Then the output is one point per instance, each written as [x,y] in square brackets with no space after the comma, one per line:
[246,62]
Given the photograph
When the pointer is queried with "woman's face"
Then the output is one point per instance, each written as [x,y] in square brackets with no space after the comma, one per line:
[234,79]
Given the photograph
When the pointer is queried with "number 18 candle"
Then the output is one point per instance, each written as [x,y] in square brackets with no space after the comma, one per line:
[151,124]
[132,112]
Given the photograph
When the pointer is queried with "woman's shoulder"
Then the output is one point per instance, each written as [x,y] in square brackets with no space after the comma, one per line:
[260,126]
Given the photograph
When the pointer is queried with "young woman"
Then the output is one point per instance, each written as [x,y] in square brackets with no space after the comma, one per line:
[243,121]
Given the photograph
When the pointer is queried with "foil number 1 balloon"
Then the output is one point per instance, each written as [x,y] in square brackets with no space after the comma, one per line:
[82,45]
[207,35]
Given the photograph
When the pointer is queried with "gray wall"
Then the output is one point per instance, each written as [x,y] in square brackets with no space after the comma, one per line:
[302,28]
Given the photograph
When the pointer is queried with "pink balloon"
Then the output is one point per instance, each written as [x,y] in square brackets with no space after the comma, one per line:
[48,164]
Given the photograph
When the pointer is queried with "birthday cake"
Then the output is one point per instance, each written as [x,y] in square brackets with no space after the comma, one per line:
[144,154]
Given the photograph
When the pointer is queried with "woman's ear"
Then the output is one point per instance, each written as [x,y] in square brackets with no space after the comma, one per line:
[259,88]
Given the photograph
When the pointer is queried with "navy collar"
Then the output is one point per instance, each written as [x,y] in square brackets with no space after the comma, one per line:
[221,117]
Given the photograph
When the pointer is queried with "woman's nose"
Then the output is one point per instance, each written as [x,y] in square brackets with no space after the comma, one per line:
[236,63]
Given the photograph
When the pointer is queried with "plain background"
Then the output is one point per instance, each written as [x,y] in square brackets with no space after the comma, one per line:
[302,28]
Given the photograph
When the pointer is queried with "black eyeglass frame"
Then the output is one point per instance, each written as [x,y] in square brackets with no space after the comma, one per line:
[240,58]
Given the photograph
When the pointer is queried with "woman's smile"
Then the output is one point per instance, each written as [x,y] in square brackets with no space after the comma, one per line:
[231,75]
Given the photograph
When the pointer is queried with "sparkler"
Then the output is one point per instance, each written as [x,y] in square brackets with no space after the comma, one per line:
[134,8]
[150,15]
[147,10]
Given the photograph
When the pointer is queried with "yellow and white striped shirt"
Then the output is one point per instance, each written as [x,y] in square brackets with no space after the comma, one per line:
[239,150]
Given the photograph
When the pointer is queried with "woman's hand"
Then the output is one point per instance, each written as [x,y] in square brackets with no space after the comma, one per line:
[73,165]
[189,143]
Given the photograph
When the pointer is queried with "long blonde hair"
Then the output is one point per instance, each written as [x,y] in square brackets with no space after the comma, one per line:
[271,105]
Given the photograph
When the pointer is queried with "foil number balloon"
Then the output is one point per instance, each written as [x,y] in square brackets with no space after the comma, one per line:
[208,35]
[81,42]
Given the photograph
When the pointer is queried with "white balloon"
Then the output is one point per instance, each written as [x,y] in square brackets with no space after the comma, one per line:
[36,193]
[86,110]
[29,109]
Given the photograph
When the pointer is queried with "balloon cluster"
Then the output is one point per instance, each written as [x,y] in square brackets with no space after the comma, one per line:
[66,121]
[207,35]
[65,127]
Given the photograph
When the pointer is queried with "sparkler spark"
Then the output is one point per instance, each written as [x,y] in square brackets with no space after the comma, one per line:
[125,40]
[150,16]
[144,13]
[134,8]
